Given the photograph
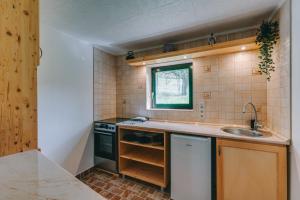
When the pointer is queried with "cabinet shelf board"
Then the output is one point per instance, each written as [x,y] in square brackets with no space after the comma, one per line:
[152,146]
[145,173]
[147,157]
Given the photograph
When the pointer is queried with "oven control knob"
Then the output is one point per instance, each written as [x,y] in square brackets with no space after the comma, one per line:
[104,126]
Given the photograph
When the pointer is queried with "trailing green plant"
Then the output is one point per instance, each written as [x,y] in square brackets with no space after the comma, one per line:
[266,38]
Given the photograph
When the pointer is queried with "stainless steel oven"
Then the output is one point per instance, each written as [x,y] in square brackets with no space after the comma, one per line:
[105,144]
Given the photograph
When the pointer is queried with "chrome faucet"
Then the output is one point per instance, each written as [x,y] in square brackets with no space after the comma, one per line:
[255,126]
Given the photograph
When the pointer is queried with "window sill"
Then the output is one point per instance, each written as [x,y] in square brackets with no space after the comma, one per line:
[167,109]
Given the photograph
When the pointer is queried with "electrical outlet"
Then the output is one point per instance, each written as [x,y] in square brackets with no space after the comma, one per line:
[206,95]
[255,71]
[202,110]
[207,68]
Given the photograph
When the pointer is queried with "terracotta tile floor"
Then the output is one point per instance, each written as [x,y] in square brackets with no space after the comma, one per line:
[115,188]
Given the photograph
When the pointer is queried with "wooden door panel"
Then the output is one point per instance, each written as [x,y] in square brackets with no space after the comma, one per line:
[19,57]
[249,174]
[248,171]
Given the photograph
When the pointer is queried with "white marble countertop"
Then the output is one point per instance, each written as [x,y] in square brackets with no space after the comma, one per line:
[201,129]
[30,175]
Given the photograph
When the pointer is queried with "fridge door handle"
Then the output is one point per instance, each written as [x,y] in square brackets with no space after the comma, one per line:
[219,150]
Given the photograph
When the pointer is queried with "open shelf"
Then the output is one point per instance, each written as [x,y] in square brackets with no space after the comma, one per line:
[197,52]
[154,158]
[152,146]
[145,173]
[147,162]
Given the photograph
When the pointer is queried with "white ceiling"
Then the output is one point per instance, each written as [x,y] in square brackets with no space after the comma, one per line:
[121,25]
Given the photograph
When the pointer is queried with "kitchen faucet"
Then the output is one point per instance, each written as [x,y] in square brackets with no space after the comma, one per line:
[254,124]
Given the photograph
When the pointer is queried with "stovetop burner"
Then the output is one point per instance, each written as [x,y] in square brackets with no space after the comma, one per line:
[113,120]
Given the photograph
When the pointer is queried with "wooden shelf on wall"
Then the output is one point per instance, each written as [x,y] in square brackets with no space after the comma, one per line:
[245,44]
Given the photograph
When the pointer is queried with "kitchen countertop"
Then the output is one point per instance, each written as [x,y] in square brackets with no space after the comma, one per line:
[210,130]
[30,175]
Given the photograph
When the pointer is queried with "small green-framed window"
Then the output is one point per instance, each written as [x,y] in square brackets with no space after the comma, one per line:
[172,87]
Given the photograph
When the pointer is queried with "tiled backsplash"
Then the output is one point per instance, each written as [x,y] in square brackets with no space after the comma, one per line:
[223,83]
[104,85]
[279,86]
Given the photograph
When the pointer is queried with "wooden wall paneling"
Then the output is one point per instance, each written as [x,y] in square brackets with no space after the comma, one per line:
[19,57]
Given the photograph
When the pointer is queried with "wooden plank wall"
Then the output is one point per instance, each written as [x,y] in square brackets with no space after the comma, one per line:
[19,57]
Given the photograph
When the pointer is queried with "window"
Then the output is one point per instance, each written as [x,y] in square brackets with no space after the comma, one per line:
[172,87]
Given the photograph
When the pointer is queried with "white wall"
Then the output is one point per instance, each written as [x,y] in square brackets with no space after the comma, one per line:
[295,148]
[65,100]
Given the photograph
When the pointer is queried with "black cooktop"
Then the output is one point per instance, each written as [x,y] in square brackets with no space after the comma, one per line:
[113,120]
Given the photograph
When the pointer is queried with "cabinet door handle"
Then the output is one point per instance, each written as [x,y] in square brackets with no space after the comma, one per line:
[41,52]
[219,150]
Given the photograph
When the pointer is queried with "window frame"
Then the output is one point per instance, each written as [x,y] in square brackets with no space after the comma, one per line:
[188,106]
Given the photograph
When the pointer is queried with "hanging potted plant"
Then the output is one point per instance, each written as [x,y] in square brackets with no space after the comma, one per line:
[266,38]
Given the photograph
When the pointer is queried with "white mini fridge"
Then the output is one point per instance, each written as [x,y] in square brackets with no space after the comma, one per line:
[191,168]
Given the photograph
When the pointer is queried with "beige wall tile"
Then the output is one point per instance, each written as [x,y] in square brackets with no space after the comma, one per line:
[105,85]
[278,96]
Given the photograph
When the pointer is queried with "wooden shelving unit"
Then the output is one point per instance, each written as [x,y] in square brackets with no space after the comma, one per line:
[197,52]
[146,162]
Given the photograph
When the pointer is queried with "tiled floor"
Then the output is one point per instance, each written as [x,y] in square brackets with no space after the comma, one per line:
[115,188]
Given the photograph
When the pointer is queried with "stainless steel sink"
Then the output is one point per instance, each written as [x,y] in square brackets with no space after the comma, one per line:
[245,132]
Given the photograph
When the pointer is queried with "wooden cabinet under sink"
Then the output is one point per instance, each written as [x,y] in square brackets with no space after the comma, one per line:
[251,171]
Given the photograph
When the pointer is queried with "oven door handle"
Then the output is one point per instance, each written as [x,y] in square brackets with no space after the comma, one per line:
[102,133]
[101,129]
